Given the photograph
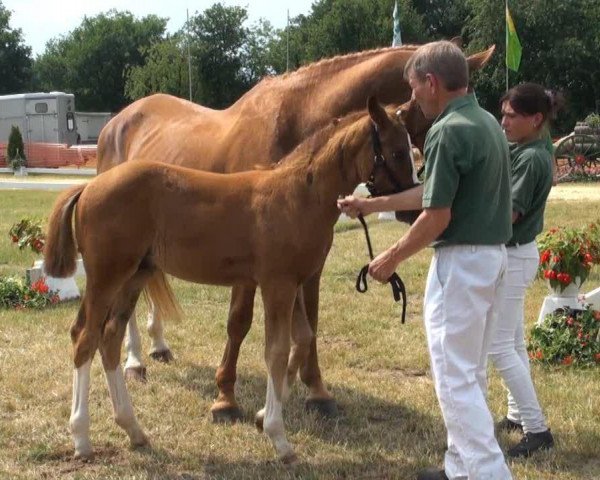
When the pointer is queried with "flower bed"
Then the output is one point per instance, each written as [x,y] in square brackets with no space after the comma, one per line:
[15,293]
[567,336]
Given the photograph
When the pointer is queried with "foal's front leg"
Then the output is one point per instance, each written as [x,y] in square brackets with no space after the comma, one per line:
[278,299]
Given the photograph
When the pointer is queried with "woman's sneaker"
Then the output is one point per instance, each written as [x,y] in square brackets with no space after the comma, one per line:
[507,425]
[530,443]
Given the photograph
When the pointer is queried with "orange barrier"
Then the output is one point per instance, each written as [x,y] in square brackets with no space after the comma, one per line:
[54,155]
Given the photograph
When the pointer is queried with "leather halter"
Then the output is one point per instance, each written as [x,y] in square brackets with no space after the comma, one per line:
[379,162]
[398,288]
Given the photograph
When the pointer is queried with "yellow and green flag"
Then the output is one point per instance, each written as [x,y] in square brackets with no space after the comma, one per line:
[513,46]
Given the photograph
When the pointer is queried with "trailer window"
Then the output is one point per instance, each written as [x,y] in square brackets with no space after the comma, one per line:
[41,107]
[70,121]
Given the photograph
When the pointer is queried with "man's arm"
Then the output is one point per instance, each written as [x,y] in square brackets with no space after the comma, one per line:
[429,226]
[407,200]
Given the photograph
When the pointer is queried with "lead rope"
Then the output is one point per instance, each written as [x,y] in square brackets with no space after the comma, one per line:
[398,288]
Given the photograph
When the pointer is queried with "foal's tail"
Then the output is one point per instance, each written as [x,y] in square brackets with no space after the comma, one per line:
[60,251]
[159,292]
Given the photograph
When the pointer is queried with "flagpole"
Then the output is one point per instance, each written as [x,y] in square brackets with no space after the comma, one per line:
[287,48]
[506,41]
[187,13]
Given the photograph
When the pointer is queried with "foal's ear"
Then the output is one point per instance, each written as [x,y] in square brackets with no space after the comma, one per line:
[377,113]
[479,60]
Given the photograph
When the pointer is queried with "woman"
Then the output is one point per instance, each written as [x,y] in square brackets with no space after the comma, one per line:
[526,110]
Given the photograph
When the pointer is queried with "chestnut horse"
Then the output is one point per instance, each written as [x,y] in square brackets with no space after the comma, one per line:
[228,240]
[260,128]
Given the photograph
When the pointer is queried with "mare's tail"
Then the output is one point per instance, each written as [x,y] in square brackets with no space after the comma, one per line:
[60,251]
[159,292]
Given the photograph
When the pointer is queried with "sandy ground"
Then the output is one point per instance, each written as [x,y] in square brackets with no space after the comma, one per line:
[575,191]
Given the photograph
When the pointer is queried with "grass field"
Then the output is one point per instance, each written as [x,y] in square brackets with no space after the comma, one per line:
[390,424]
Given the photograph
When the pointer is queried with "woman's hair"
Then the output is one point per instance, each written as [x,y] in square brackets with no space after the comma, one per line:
[530,98]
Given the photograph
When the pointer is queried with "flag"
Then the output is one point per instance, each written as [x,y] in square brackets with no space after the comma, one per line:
[397,41]
[513,46]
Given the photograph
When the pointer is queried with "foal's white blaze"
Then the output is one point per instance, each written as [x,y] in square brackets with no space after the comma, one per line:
[273,421]
[80,416]
[122,407]
[133,345]
[412,162]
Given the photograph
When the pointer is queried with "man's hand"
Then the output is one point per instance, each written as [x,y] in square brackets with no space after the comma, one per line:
[383,265]
[353,206]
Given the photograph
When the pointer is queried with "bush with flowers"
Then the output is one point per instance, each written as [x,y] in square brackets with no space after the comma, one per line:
[568,254]
[15,293]
[567,336]
[28,233]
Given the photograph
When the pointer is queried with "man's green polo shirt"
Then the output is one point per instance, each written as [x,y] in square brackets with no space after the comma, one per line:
[467,168]
[531,170]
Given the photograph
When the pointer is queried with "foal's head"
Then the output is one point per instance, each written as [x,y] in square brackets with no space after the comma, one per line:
[391,167]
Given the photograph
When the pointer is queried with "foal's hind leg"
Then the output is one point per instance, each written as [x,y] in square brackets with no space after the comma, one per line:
[319,398]
[86,332]
[110,349]
[302,336]
[226,408]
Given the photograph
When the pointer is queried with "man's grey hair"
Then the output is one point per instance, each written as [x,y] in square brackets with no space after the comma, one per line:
[444,60]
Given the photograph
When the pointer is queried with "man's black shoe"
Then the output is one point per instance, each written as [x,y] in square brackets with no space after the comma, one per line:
[432,474]
[530,443]
[506,424]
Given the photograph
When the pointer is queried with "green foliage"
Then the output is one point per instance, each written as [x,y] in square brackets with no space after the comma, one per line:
[15,150]
[569,253]
[91,61]
[15,293]
[567,336]
[593,120]
[28,233]
[15,57]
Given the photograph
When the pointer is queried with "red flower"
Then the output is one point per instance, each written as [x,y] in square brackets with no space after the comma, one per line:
[40,286]
[55,299]
[568,360]
[556,259]
[545,256]
[539,355]
[597,357]
[14,238]
[570,321]
[564,278]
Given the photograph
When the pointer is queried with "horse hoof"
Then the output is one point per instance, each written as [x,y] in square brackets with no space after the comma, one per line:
[325,407]
[227,415]
[84,456]
[141,441]
[289,459]
[258,420]
[136,373]
[164,356]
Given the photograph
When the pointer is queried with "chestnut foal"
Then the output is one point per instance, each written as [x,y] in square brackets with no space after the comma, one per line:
[268,228]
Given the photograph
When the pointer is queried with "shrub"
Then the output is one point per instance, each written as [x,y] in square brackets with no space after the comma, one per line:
[15,151]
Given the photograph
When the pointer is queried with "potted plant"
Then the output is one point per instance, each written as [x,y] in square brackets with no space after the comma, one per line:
[568,254]
[567,336]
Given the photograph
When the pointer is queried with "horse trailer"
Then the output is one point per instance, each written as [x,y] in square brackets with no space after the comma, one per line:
[41,117]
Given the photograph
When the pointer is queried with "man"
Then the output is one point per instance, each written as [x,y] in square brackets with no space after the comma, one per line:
[467,219]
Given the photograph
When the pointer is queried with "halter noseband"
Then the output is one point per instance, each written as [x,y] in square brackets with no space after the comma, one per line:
[379,162]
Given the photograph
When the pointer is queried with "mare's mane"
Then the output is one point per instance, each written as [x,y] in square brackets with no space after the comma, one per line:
[328,66]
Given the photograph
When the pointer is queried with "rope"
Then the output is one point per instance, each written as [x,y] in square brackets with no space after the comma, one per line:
[398,287]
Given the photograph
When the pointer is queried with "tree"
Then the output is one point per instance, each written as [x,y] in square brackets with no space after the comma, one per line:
[92,60]
[217,40]
[15,57]
[565,61]
[165,70]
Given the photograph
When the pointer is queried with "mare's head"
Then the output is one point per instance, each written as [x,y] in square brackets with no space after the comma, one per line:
[388,165]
